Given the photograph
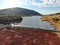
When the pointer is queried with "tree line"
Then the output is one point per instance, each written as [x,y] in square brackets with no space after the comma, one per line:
[10,19]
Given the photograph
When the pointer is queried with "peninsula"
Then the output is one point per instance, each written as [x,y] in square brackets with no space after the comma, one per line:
[54,19]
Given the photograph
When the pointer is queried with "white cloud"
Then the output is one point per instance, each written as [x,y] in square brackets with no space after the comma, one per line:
[10,3]
[21,3]
[45,3]
[14,3]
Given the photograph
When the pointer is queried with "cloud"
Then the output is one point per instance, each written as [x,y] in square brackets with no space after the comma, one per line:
[44,3]
[37,3]
[14,3]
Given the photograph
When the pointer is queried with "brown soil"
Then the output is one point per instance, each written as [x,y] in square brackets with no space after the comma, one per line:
[28,36]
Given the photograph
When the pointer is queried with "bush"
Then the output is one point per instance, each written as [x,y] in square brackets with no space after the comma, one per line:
[10,19]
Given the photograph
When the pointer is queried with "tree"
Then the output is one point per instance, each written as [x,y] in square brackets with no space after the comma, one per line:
[10,19]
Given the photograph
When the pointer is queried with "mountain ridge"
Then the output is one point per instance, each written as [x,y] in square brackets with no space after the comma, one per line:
[18,11]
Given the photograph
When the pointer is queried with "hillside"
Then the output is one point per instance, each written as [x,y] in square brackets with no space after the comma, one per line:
[19,11]
[53,19]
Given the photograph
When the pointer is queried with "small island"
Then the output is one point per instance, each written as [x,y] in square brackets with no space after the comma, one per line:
[54,19]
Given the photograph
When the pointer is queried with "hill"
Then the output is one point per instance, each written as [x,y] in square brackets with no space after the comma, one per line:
[18,11]
[54,19]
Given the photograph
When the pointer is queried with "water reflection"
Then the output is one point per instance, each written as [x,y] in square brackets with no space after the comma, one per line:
[36,22]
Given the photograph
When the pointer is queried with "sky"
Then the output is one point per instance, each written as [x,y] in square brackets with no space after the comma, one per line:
[41,6]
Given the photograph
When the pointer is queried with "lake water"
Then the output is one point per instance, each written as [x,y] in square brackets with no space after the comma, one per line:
[36,22]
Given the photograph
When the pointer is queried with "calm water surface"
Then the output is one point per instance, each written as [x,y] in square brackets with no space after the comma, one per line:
[36,22]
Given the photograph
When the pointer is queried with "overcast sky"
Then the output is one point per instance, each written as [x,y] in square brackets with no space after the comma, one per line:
[41,6]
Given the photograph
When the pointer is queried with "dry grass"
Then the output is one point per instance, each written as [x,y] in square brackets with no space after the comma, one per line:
[52,19]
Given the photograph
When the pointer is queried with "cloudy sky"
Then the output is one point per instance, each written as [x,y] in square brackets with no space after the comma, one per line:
[41,6]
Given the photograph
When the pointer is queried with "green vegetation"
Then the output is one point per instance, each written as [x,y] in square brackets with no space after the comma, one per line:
[10,19]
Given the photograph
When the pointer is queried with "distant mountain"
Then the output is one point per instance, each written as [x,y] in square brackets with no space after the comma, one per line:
[55,14]
[19,11]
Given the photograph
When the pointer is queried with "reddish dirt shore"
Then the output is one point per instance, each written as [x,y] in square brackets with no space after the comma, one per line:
[28,36]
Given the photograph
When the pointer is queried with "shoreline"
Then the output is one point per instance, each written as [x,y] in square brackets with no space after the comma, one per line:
[51,19]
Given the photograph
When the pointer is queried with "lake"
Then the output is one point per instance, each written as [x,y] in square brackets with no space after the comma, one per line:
[36,22]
